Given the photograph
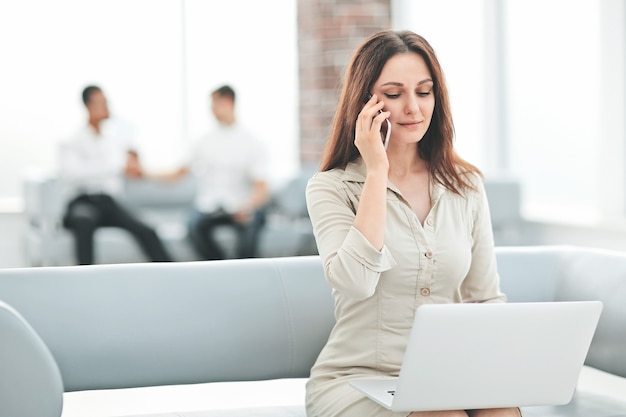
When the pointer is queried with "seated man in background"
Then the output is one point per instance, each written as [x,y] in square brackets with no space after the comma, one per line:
[91,167]
[230,167]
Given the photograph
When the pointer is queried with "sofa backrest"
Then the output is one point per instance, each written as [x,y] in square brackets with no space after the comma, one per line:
[146,193]
[114,326]
[569,273]
[594,274]
[530,273]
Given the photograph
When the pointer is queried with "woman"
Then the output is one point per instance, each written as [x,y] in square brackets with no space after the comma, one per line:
[396,227]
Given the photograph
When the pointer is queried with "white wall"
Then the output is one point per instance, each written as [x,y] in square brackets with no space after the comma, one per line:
[538,93]
[456,31]
[157,61]
[555,104]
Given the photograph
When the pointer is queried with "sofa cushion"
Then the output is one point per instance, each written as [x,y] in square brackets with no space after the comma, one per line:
[598,394]
[276,398]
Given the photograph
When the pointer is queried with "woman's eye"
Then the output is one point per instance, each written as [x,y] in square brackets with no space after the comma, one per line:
[424,93]
[392,96]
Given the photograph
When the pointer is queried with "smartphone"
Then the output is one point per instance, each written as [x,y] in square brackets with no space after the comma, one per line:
[385,129]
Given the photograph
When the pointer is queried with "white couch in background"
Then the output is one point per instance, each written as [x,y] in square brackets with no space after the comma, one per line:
[165,206]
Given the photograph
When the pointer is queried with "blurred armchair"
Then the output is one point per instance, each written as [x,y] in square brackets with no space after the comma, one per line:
[288,230]
[505,199]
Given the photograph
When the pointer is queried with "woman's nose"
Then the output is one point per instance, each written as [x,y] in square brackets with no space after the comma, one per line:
[412,105]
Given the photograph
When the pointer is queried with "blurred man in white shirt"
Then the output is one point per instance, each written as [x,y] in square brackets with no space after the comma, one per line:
[230,166]
[92,164]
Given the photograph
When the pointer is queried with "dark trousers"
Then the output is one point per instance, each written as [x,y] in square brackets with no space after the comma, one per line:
[202,227]
[88,212]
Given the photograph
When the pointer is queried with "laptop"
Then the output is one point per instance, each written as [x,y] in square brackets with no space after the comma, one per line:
[489,355]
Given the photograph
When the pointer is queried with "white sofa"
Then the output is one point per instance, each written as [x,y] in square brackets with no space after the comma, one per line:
[165,206]
[238,337]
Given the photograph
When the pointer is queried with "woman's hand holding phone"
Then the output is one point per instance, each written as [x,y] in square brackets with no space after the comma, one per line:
[370,139]
[385,130]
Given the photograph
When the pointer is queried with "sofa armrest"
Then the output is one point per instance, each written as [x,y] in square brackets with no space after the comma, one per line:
[43,201]
[30,382]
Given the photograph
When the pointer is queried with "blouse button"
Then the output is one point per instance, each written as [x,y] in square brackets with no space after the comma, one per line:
[425,292]
[429,254]
[429,221]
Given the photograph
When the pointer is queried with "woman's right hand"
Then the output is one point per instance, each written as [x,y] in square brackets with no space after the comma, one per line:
[367,136]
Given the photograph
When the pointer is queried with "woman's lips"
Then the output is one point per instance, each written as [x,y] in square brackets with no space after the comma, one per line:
[410,125]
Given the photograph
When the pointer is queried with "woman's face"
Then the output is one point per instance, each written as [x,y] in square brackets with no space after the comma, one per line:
[405,86]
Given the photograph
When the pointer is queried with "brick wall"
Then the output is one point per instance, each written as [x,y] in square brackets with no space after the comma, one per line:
[328,33]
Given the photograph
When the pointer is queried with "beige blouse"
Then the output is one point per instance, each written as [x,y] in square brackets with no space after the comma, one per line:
[448,259]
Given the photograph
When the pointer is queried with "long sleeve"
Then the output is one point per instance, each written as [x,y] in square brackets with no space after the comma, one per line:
[482,283]
[73,167]
[93,163]
[352,265]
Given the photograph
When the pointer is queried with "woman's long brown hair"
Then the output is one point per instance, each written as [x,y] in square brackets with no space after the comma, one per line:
[436,147]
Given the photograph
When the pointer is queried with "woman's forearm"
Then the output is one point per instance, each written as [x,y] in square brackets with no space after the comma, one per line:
[372,211]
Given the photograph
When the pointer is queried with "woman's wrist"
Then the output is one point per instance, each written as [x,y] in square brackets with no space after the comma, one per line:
[377,176]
